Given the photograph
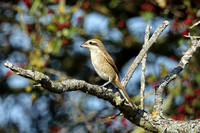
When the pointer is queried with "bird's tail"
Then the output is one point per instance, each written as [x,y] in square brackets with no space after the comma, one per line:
[123,92]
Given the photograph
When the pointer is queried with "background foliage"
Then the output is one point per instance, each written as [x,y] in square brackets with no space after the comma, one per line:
[46,35]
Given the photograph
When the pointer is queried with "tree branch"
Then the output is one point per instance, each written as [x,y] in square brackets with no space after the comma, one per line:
[146,38]
[173,74]
[153,123]
[144,50]
[66,85]
[195,24]
[139,117]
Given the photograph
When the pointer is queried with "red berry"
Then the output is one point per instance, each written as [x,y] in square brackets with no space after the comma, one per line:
[44,66]
[86,5]
[124,122]
[55,129]
[67,24]
[8,73]
[79,18]
[172,57]
[127,38]
[187,22]
[55,23]
[108,123]
[179,117]
[176,25]
[121,24]
[187,96]
[184,32]
[28,3]
[147,7]
[60,26]
[197,91]
[64,42]
[180,109]
[50,11]
[187,11]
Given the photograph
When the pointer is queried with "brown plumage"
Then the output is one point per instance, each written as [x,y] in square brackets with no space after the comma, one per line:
[104,65]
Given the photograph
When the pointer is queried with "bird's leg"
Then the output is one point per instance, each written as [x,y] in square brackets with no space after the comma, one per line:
[106,83]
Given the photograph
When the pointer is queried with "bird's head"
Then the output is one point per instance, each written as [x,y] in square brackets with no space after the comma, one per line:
[93,44]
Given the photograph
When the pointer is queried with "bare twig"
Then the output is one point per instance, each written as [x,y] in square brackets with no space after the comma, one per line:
[118,114]
[147,33]
[188,36]
[142,81]
[195,24]
[173,74]
[144,50]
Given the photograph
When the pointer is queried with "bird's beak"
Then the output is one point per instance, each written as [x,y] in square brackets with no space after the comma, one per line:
[84,45]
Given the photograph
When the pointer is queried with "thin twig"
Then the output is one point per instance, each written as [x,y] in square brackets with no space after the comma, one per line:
[159,89]
[144,50]
[118,114]
[147,33]
[188,36]
[142,82]
[195,24]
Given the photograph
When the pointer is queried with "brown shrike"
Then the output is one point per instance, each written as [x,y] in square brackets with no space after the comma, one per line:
[104,65]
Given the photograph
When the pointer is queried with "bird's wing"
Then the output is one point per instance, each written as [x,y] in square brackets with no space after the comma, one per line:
[110,61]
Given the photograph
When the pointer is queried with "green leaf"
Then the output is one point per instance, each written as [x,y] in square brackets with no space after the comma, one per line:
[56,47]
[197,77]
[51,27]
[196,103]
[65,32]
[189,110]
[181,41]
[113,3]
[189,90]
[36,4]
[73,29]
[147,15]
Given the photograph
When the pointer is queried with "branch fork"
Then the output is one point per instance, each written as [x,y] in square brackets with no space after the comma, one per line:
[153,122]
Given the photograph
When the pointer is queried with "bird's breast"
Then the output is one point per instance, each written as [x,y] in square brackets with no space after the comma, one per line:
[101,66]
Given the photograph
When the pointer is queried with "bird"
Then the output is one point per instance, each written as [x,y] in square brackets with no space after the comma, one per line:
[105,66]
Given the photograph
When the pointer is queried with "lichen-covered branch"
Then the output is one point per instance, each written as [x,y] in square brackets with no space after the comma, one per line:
[66,85]
[143,62]
[135,116]
[139,117]
[144,50]
[158,106]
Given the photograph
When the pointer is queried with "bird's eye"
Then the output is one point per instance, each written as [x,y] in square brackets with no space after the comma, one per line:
[90,42]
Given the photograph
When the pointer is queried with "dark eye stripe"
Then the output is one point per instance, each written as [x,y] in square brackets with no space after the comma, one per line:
[93,43]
